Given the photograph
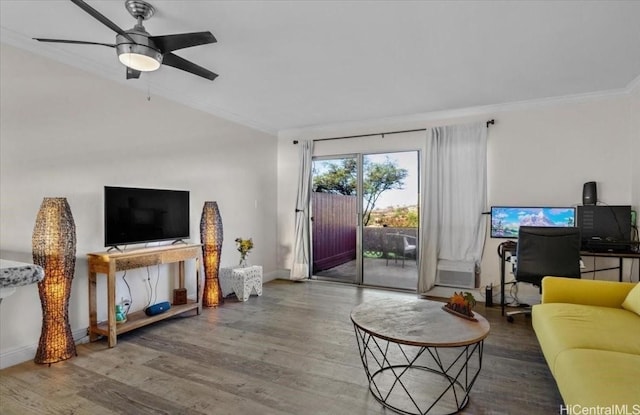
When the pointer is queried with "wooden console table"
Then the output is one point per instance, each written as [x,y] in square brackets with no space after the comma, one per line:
[108,263]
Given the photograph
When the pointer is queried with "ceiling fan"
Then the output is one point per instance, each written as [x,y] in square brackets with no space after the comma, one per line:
[141,52]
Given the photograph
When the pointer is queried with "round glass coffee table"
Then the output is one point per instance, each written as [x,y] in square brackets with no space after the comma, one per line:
[418,358]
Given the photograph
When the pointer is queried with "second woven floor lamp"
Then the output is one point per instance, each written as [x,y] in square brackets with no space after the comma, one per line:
[54,249]
[211,239]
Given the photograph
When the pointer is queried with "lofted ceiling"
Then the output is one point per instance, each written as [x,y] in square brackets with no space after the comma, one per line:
[294,64]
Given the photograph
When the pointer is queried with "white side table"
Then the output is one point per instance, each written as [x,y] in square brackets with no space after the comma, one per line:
[241,281]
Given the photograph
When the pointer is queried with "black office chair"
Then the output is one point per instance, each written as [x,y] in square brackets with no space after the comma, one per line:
[544,251]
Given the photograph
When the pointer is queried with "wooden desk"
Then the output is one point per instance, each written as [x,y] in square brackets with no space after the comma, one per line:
[512,246]
[620,255]
[108,263]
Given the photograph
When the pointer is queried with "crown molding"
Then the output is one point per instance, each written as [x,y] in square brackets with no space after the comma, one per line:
[421,120]
[633,85]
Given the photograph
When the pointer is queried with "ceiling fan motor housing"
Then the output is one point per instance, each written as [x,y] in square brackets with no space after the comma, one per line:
[142,46]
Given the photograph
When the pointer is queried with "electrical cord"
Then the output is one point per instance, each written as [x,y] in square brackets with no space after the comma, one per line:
[149,289]
[130,298]
[155,291]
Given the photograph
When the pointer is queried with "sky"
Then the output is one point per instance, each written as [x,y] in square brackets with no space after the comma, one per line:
[409,195]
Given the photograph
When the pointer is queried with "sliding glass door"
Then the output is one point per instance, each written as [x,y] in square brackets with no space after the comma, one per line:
[334,207]
[370,239]
[390,220]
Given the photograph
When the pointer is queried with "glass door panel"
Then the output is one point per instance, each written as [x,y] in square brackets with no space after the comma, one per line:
[334,206]
[390,219]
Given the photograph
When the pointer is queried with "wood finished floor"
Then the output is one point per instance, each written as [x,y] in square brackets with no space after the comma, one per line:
[291,351]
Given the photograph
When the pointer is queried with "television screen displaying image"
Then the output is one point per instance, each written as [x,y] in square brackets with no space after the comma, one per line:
[506,220]
[133,215]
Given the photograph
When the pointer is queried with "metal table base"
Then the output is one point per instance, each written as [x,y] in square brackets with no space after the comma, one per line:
[392,371]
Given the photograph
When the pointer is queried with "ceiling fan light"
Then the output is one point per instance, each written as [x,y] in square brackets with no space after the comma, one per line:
[139,57]
[139,62]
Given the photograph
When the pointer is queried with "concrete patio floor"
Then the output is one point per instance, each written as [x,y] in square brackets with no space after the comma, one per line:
[377,273]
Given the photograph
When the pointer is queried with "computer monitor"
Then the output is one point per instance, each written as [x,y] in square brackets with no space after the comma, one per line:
[605,227]
[506,220]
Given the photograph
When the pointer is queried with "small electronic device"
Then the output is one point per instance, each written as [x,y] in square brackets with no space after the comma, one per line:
[488,296]
[589,193]
[158,308]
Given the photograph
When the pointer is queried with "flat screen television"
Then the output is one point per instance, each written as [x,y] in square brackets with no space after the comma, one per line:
[506,220]
[133,215]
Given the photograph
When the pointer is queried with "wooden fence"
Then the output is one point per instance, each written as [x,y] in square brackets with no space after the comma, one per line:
[334,231]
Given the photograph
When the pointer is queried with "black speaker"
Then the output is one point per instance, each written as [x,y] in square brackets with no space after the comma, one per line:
[589,194]
[488,296]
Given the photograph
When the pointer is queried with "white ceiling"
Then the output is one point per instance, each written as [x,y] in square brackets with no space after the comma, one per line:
[296,64]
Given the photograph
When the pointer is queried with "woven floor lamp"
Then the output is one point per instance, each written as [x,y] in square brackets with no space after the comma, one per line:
[211,239]
[54,249]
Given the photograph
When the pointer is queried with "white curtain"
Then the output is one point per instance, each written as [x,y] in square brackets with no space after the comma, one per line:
[454,198]
[300,268]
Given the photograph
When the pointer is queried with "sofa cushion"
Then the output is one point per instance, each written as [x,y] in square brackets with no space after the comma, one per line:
[632,302]
[587,292]
[592,378]
[561,326]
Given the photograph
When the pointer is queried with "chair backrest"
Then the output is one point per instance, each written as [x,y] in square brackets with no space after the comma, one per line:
[546,251]
[407,243]
[393,243]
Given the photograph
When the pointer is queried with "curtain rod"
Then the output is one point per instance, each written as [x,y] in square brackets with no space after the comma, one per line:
[490,122]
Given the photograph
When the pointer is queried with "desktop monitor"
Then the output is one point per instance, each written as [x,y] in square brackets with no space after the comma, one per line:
[506,220]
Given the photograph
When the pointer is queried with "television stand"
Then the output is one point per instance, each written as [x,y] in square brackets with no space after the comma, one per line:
[108,263]
[115,248]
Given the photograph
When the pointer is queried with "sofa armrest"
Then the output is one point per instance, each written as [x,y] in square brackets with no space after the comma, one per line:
[588,292]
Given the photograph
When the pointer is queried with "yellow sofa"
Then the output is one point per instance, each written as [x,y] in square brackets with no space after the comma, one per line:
[590,342]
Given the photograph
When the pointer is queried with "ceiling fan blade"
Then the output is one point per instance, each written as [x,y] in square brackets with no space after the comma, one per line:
[169,43]
[78,42]
[132,73]
[101,18]
[177,62]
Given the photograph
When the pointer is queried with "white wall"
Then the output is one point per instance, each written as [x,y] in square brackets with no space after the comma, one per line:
[634,115]
[67,133]
[538,154]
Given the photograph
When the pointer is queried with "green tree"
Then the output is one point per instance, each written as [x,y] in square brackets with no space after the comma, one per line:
[341,177]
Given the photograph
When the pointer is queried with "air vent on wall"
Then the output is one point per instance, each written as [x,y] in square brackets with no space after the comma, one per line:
[460,274]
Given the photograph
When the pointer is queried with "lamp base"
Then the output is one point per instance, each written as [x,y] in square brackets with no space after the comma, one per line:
[56,342]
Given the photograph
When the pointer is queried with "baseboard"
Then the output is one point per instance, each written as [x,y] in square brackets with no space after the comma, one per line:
[281,274]
[26,353]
